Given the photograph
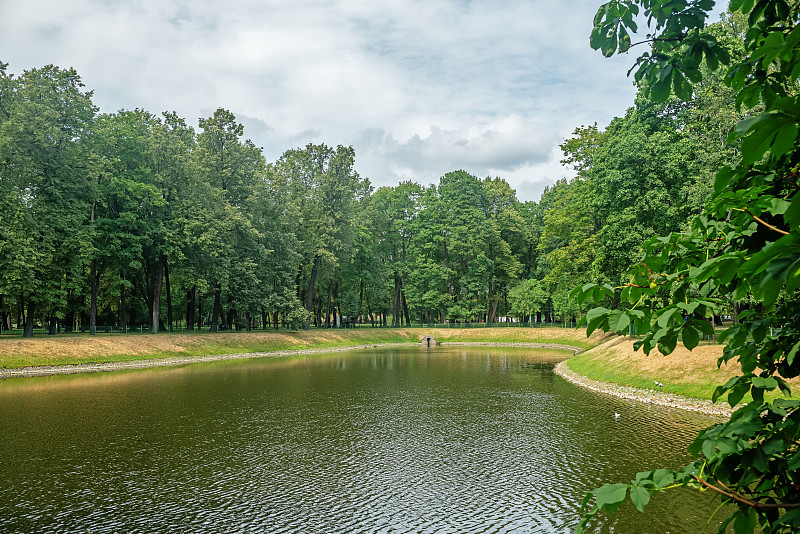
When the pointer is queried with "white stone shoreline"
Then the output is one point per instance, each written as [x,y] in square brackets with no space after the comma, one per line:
[650,396]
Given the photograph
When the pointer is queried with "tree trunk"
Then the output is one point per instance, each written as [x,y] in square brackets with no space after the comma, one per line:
[492,304]
[147,290]
[200,314]
[156,300]
[28,331]
[123,312]
[169,295]
[360,299]
[492,312]
[297,282]
[2,315]
[94,284]
[310,295]
[51,331]
[20,310]
[231,315]
[396,317]
[276,320]
[215,311]
[405,307]
[328,308]
[191,296]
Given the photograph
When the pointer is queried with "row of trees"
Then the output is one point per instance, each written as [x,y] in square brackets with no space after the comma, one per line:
[117,218]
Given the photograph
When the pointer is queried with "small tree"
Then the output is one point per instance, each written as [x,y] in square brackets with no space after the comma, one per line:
[527,298]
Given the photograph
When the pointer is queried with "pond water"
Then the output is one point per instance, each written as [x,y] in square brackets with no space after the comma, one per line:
[445,440]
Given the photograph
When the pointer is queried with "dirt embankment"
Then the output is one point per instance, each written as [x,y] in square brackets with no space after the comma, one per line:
[74,349]
[614,367]
[682,365]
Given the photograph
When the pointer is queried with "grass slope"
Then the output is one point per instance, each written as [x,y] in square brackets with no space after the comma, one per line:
[690,373]
[65,350]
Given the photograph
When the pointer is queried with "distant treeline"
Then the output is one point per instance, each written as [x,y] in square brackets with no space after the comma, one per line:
[130,218]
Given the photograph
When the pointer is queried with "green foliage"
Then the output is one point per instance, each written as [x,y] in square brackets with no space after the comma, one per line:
[745,244]
[528,297]
[46,133]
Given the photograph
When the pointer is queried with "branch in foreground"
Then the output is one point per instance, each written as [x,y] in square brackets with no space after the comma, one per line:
[744,500]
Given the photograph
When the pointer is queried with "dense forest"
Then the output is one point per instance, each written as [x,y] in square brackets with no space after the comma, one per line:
[133,218]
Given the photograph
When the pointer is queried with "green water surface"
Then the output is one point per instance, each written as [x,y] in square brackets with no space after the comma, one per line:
[444,440]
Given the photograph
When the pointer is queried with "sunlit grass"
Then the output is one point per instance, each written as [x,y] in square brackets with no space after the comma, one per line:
[689,373]
[67,349]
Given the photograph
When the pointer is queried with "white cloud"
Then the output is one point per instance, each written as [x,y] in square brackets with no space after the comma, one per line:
[419,88]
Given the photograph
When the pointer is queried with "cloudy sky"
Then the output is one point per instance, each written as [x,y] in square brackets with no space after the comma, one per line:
[418,87]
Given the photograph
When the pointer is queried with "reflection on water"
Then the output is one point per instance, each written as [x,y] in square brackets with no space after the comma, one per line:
[386,440]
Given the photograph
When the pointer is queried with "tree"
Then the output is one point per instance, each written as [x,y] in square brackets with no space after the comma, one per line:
[392,213]
[581,150]
[170,147]
[272,217]
[527,298]
[230,168]
[324,193]
[746,242]
[127,210]
[46,121]
[507,237]
[452,266]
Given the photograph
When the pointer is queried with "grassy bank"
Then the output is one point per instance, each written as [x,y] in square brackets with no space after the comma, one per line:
[46,350]
[693,374]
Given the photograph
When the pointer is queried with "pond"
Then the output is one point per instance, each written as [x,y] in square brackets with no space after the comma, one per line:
[445,440]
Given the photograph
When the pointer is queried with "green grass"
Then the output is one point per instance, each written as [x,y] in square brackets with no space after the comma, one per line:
[67,349]
[597,368]
[690,380]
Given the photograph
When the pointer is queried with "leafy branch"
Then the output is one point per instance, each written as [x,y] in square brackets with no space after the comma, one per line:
[738,248]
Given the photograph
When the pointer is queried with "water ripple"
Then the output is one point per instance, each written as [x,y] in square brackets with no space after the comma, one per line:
[395,441]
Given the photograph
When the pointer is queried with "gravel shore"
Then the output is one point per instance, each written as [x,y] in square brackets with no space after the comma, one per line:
[651,396]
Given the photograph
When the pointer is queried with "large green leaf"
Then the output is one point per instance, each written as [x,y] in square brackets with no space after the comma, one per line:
[611,496]
[691,337]
[618,321]
[640,497]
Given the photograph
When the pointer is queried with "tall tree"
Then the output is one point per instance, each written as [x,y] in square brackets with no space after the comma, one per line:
[325,190]
[393,212]
[451,249]
[506,242]
[46,168]
[231,167]
[126,210]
